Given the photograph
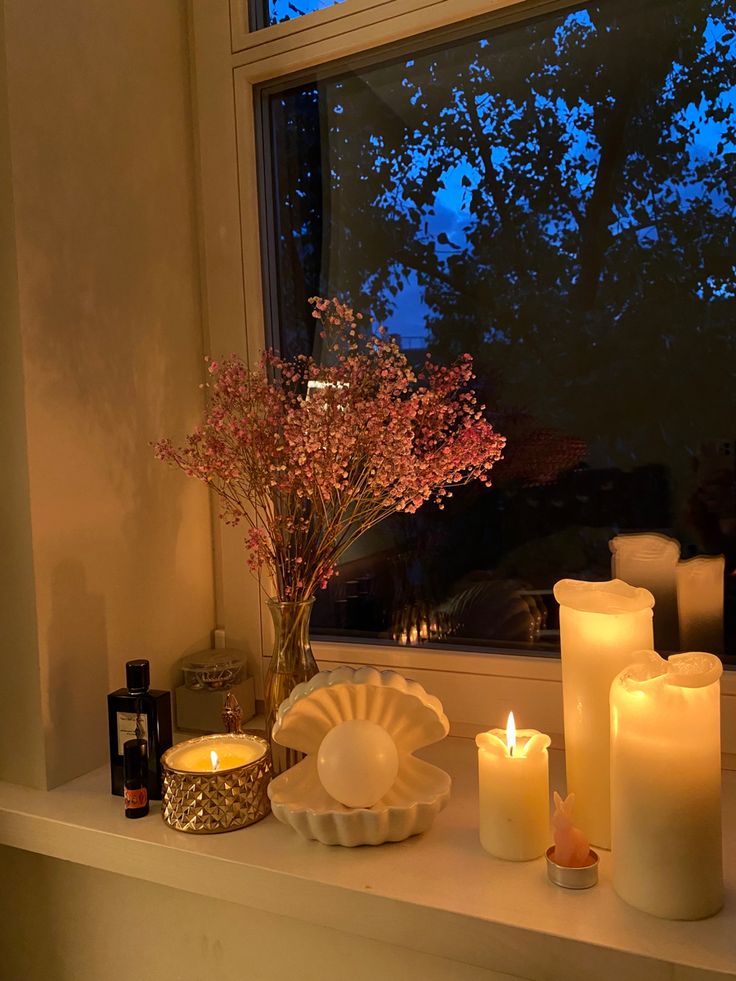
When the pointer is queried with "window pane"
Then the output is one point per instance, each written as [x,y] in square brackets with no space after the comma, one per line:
[557,198]
[267,12]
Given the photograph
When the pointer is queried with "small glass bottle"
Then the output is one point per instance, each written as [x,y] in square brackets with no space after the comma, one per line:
[135,772]
[139,712]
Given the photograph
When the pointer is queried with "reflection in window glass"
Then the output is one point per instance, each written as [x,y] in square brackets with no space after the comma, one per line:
[557,198]
[267,12]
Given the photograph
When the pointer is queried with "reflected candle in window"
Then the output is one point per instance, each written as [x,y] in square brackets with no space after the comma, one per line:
[650,560]
[513,778]
[666,786]
[700,603]
[602,626]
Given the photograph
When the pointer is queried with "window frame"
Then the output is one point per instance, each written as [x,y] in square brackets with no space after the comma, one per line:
[228,62]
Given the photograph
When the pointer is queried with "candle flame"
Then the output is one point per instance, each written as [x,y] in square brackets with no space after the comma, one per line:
[214,760]
[511,734]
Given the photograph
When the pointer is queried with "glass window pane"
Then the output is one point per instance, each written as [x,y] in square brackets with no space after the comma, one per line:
[267,12]
[557,198]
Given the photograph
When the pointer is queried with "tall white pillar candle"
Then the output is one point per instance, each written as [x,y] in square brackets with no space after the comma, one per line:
[666,786]
[602,625]
[513,778]
[650,560]
[700,603]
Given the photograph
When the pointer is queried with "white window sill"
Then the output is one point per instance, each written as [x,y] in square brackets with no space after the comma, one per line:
[438,893]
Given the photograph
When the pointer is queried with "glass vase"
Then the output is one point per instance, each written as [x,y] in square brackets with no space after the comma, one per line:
[292,662]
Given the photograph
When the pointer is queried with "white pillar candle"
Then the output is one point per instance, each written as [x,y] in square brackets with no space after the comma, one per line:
[650,560]
[666,786]
[700,603]
[602,625]
[513,778]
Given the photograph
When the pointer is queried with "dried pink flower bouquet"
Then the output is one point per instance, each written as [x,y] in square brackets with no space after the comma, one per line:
[311,456]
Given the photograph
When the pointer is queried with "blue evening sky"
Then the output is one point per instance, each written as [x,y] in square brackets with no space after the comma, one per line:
[449,215]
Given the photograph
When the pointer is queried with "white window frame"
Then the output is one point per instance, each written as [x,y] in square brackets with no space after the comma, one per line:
[228,61]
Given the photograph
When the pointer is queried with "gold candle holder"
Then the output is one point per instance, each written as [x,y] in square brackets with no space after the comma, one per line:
[204,797]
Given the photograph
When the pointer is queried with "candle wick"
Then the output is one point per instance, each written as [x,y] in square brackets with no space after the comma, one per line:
[511,750]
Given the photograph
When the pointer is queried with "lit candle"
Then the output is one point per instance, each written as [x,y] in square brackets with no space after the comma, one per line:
[216,783]
[700,603]
[666,786]
[650,560]
[513,777]
[602,625]
[215,754]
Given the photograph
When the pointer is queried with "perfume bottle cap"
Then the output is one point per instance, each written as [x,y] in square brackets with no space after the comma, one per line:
[135,761]
[137,676]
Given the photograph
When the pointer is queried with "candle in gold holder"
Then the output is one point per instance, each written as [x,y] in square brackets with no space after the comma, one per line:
[216,783]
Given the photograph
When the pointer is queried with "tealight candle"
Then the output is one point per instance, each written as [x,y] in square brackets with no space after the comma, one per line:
[666,786]
[513,777]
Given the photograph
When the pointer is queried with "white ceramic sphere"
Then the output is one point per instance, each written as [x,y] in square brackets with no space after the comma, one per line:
[357,762]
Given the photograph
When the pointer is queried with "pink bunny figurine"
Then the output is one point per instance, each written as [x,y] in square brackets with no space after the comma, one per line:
[572,848]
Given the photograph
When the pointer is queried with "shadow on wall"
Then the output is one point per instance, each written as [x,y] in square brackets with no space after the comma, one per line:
[76,722]
[110,377]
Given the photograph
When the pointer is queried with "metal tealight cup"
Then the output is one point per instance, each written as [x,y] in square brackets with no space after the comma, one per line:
[567,878]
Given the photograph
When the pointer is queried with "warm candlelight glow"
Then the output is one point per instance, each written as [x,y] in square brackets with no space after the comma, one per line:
[666,785]
[603,626]
[199,756]
[513,788]
[511,734]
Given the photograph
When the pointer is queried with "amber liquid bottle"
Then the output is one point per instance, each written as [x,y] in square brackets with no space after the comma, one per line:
[135,778]
[138,712]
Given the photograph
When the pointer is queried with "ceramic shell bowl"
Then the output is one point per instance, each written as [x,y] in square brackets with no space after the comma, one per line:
[404,709]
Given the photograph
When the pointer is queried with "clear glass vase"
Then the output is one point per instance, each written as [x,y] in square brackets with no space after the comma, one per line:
[292,662]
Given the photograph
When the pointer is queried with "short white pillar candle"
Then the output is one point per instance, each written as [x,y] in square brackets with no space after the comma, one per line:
[602,625]
[666,786]
[513,777]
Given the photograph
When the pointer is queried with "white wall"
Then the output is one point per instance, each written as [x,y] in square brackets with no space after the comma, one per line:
[20,709]
[99,127]
[99,925]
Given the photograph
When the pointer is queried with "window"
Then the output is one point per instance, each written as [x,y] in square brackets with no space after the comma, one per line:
[263,13]
[557,197]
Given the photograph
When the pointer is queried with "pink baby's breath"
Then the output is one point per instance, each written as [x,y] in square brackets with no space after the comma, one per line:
[311,456]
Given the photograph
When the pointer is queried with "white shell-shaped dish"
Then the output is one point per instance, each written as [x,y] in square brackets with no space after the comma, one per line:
[420,792]
[402,707]
[412,717]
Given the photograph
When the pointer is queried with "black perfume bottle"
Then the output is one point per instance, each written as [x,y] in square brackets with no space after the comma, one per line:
[138,712]
[135,778]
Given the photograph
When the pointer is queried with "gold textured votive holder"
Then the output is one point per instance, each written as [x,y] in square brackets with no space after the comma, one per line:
[214,801]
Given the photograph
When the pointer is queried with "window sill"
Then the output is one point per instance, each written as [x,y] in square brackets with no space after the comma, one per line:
[438,893]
